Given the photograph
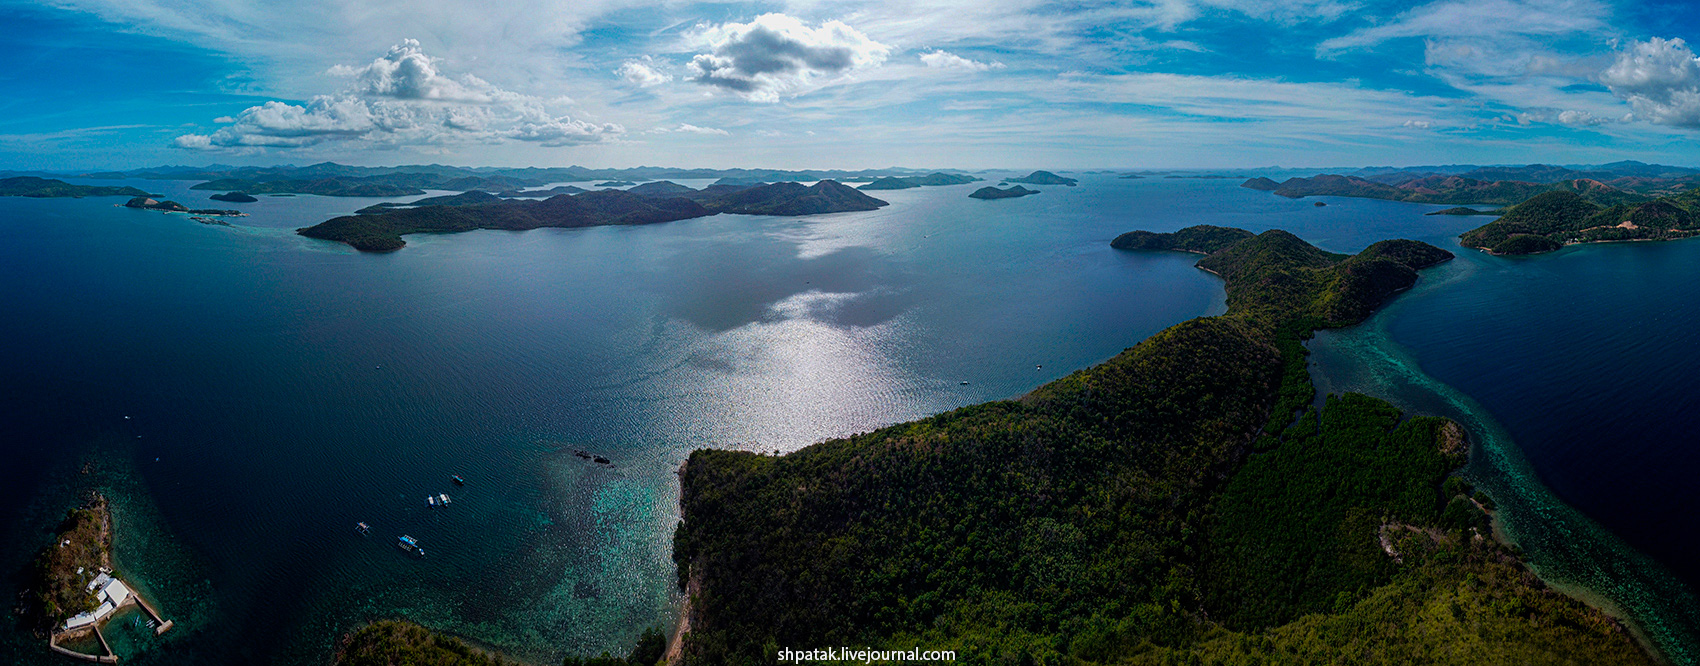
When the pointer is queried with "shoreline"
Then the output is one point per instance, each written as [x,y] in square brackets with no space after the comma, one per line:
[131,597]
[1489,252]
[1564,549]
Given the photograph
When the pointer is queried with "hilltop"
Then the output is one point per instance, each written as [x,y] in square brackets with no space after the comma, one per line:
[794,199]
[1014,191]
[1043,178]
[1178,503]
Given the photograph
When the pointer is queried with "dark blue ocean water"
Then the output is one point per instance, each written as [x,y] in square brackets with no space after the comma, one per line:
[280,389]
[1578,374]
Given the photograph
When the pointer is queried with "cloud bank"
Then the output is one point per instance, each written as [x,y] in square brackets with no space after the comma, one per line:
[1660,78]
[402,98]
[775,55]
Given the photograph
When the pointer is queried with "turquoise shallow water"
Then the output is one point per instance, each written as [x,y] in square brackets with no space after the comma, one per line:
[281,389]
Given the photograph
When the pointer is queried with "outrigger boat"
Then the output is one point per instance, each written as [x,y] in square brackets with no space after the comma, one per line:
[443,499]
[363,528]
[458,481]
[409,544]
[430,500]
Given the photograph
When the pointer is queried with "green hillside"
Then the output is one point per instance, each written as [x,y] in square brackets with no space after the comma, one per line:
[1552,220]
[1162,507]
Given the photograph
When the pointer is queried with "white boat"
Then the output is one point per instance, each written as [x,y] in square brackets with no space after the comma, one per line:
[443,498]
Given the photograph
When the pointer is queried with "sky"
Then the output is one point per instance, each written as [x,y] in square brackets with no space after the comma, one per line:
[109,84]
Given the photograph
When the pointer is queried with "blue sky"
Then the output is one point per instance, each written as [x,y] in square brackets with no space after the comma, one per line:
[821,84]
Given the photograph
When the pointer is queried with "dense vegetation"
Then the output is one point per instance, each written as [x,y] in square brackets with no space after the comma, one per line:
[929,180]
[1461,210]
[381,232]
[467,198]
[1043,178]
[1162,507]
[662,188]
[379,228]
[995,193]
[1442,189]
[826,196]
[392,643]
[31,186]
[1261,184]
[1201,239]
[61,572]
[396,643]
[1549,221]
[234,197]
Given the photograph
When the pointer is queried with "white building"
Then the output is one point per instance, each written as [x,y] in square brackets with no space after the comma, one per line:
[111,592]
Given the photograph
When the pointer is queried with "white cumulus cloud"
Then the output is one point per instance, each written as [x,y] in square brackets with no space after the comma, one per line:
[775,55]
[643,73]
[406,72]
[1660,78]
[940,59]
[402,98]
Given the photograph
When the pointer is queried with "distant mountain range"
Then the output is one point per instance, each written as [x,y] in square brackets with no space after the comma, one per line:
[1447,189]
[1604,184]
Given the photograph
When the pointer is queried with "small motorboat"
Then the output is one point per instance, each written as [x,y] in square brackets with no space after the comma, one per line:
[430,500]
[363,528]
[458,481]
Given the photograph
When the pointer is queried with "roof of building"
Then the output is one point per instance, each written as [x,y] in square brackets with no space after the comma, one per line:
[115,592]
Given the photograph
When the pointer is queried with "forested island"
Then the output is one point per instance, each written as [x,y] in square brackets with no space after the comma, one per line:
[379,228]
[1198,239]
[1183,502]
[149,203]
[1555,219]
[1461,210]
[60,573]
[1043,178]
[31,186]
[1013,192]
[930,180]
[234,197]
